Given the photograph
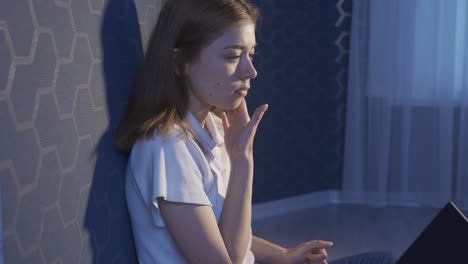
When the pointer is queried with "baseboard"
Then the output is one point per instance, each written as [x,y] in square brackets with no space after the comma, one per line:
[374,199]
[413,199]
[295,203]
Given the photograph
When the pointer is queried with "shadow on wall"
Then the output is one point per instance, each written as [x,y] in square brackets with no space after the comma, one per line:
[107,219]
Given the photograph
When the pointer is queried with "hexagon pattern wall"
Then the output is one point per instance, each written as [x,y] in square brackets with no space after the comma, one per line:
[65,70]
[66,67]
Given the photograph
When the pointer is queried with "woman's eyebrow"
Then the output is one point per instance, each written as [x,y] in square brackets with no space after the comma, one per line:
[241,47]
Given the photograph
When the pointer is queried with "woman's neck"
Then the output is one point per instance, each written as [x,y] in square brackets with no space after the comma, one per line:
[199,110]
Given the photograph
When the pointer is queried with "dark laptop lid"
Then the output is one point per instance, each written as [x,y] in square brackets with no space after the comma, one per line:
[444,240]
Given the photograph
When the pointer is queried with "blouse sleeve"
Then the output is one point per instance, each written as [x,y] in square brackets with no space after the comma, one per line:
[167,168]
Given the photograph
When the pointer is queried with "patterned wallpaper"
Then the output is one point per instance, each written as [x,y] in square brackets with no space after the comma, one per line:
[302,73]
[65,71]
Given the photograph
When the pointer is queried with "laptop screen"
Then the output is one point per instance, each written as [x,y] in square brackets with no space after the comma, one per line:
[444,240]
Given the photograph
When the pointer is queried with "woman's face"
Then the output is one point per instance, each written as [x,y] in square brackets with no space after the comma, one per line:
[221,75]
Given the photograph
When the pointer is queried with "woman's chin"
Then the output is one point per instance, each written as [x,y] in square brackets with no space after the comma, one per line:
[235,104]
[227,106]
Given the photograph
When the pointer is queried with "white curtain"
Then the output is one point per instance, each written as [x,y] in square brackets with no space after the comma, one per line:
[407,113]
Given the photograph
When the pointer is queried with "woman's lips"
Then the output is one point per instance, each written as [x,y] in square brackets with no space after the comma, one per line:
[242,92]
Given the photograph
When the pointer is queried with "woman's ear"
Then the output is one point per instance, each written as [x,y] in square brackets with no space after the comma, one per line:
[179,67]
[176,60]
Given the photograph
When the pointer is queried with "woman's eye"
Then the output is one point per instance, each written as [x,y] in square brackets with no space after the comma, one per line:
[252,55]
[233,57]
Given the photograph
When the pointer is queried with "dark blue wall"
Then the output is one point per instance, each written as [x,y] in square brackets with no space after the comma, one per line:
[302,74]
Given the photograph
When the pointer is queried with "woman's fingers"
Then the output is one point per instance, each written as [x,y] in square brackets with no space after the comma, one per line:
[317,252]
[255,120]
[316,258]
[226,124]
[243,112]
[239,129]
[314,245]
[320,251]
[239,115]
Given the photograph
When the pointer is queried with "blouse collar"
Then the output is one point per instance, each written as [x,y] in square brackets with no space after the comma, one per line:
[209,143]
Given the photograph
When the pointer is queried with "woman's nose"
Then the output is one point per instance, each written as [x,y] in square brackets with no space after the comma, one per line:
[249,71]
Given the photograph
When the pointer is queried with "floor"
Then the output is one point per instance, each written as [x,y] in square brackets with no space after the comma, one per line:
[353,228]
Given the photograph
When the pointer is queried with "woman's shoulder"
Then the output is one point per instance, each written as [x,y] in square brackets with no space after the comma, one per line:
[158,139]
[176,146]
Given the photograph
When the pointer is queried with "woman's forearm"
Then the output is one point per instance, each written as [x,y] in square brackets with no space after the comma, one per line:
[267,252]
[236,216]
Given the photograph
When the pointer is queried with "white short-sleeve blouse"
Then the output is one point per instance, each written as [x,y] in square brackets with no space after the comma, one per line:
[176,169]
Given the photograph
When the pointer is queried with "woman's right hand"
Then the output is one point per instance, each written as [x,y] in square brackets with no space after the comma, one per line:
[240,129]
[311,252]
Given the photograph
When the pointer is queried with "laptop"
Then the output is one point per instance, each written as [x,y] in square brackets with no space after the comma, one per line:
[444,240]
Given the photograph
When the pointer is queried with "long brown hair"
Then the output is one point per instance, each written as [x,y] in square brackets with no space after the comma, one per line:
[160,96]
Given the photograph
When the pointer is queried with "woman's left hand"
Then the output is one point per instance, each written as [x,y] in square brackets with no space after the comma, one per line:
[308,252]
[240,130]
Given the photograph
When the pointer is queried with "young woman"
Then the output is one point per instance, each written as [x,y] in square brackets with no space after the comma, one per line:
[190,171]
